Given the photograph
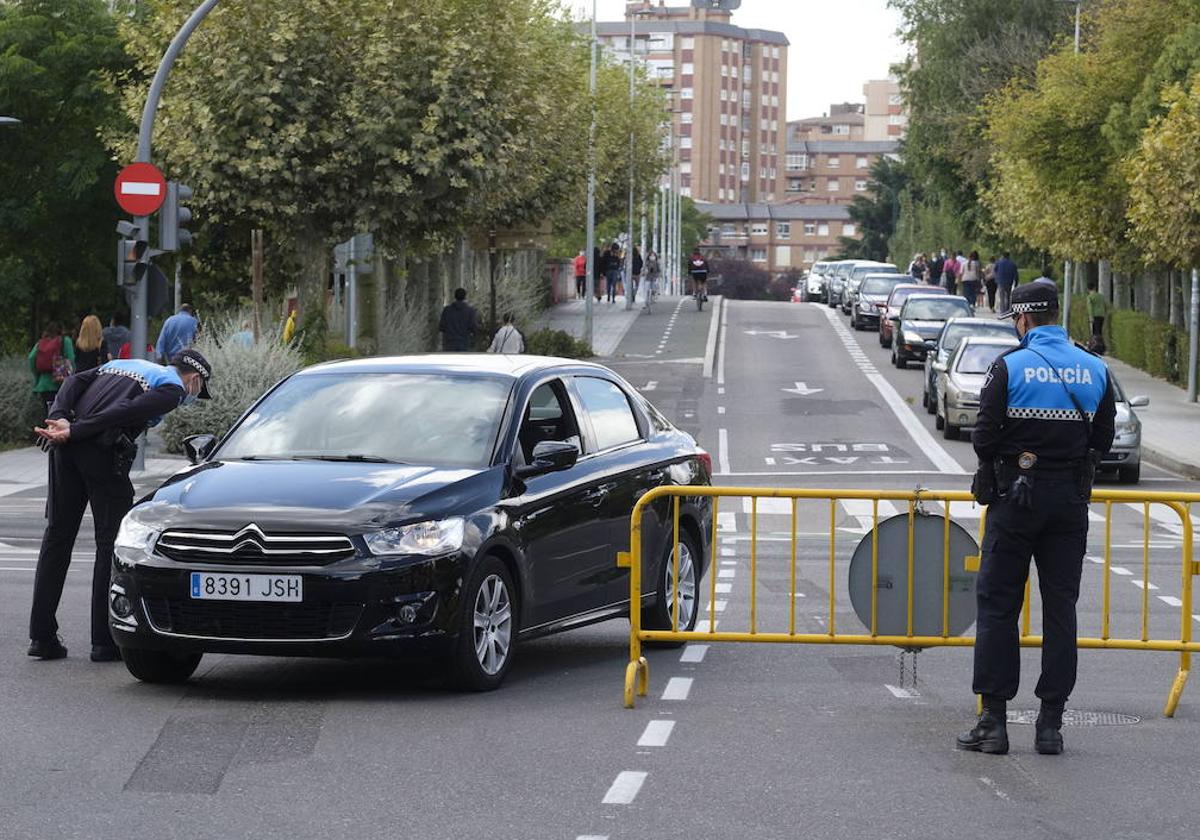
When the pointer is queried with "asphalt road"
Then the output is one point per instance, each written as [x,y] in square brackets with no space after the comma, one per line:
[733,741]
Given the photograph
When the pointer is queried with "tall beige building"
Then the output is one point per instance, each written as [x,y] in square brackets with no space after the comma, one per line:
[885,115]
[731,86]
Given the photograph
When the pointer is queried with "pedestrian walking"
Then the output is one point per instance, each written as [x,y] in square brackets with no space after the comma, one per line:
[458,324]
[950,270]
[971,276]
[508,338]
[289,327]
[612,271]
[245,336]
[989,283]
[51,361]
[177,334]
[1006,281]
[636,277]
[115,334]
[90,434]
[1097,310]
[653,273]
[1046,418]
[918,268]
[580,275]
[936,265]
[89,346]
[598,265]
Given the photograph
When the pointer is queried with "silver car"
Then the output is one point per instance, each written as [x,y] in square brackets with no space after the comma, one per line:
[817,283]
[952,333]
[958,386]
[1126,453]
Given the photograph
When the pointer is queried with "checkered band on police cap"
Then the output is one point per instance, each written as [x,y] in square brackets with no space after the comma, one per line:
[1038,296]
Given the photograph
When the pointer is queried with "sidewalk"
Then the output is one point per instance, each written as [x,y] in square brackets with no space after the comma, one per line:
[26,468]
[610,321]
[1170,424]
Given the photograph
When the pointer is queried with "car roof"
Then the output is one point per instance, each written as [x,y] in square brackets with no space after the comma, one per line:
[890,275]
[1001,340]
[488,364]
[934,296]
[973,320]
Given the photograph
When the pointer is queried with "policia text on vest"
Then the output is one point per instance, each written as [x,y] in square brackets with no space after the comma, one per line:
[89,434]
[1047,414]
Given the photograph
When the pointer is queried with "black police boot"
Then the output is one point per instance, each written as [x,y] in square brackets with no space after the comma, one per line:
[990,735]
[51,648]
[1048,739]
[105,653]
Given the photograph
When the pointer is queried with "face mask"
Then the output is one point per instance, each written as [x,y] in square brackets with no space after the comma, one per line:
[188,399]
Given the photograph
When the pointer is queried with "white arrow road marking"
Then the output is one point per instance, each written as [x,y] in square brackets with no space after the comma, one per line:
[784,334]
[140,188]
[803,390]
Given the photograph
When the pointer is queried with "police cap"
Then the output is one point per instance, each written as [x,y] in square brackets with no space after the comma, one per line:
[1038,296]
[191,360]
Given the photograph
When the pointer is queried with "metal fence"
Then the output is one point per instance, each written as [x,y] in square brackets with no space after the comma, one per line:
[637,671]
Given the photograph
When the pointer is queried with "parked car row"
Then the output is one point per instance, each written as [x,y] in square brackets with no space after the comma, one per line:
[920,323]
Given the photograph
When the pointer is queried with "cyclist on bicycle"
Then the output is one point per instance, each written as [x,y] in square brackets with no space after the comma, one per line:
[698,271]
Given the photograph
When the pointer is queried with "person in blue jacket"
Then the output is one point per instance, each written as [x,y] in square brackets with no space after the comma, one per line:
[1047,415]
[90,435]
[177,334]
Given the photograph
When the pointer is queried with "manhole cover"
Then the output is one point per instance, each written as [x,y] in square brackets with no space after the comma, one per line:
[1075,717]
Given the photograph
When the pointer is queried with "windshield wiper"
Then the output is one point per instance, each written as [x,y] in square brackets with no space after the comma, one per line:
[353,456]
[266,458]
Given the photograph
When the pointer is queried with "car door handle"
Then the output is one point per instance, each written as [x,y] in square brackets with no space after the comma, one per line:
[596,497]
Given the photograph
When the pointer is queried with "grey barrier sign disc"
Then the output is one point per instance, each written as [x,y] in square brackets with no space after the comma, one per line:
[929,540]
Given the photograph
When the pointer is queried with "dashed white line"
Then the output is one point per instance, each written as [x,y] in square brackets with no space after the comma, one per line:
[994,788]
[656,734]
[1142,584]
[693,653]
[727,573]
[721,392]
[726,521]
[720,606]
[726,552]
[702,626]
[724,343]
[902,693]
[1120,570]
[1170,600]
[677,688]
[724,588]
[625,787]
[592,837]
[728,562]
[723,450]
[770,462]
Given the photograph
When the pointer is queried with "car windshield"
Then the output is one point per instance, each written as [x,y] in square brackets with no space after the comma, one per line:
[880,285]
[978,358]
[935,310]
[429,419]
[955,333]
[863,271]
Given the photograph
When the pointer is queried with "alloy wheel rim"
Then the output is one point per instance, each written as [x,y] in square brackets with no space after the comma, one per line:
[493,625]
[687,587]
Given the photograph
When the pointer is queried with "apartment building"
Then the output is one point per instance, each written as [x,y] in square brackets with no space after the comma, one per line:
[730,89]
[885,117]
[831,171]
[845,121]
[776,237]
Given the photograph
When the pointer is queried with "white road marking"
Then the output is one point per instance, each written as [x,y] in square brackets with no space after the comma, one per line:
[726,521]
[727,573]
[994,787]
[710,347]
[1120,570]
[651,386]
[721,392]
[592,837]
[861,510]
[1170,600]
[724,588]
[902,693]
[723,451]
[726,552]
[656,734]
[1197,617]
[768,505]
[677,688]
[693,653]
[720,409]
[702,626]
[1141,584]
[770,462]
[724,343]
[625,787]
[728,562]
[720,606]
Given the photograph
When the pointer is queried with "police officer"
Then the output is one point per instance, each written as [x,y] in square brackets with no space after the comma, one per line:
[90,434]
[1046,417]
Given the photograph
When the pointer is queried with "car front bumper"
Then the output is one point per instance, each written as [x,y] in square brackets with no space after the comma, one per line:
[963,415]
[356,607]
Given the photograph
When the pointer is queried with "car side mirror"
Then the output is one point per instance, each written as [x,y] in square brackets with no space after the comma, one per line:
[199,447]
[550,456]
[1139,402]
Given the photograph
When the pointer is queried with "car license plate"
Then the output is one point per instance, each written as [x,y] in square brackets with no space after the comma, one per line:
[208,586]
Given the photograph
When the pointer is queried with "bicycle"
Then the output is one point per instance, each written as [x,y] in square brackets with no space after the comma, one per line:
[700,293]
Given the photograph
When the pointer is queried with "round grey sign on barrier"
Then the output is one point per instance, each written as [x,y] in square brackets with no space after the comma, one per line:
[929,541]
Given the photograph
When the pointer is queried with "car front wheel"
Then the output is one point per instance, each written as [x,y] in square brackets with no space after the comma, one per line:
[156,666]
[1129,475]
[487,629]
[949,430]
[660,616]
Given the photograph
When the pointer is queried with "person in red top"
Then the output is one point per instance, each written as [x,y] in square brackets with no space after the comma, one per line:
[580,275]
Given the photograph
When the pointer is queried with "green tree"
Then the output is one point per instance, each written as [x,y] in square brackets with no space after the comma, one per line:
[876,214]
[57,214]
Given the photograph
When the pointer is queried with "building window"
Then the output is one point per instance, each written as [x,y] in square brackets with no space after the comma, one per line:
[721,169]
[687,191]
[758,229]
[688,69]
[841,128]
[774,101]
[832,184]
[721,194]
[774,125]
[725,70]
[849,229]
[724,95]
[794,185]
[810,228]
[724,118]
[895,119]
[860,185]
[861,162]
[746,99]
[685,142]
[747,73]
[733,71]
[758,255]
[687,42]
[725,45]
[822,229]
[765,100]
[763,124]
[685,168]
[796,162]
[774,52]
[783,230]
[775,76]
[685,93]
[895,99]
[835,163]
[772,173]
[686,118]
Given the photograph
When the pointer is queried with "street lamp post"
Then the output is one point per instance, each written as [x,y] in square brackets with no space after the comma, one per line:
[629,289]
[1071,269]
[591,194]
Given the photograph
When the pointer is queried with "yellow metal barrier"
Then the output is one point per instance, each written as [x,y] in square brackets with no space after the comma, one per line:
[637,672]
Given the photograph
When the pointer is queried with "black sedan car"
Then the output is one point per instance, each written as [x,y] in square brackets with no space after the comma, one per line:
[921,320]
[450,504]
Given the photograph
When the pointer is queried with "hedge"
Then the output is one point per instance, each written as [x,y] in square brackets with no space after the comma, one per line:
[20,410]
[1136,339]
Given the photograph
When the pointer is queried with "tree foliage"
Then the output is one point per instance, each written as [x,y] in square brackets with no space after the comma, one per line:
[876,214]
[57,212]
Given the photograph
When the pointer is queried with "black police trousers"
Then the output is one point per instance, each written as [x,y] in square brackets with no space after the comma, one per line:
[1054,533]
[80,474]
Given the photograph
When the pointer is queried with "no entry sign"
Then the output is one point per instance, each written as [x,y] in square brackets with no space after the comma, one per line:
[140,189]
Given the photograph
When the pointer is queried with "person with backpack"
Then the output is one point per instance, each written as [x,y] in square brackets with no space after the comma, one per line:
[51,361]
[508,338]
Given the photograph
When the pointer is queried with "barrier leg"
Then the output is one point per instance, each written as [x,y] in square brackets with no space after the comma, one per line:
[631,675]
[643,676]
[1181,679]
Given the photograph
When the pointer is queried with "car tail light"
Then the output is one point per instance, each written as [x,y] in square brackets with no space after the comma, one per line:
[706,460]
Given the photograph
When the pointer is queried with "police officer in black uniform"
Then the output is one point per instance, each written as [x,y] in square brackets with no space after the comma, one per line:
[1046,417]
[90,434]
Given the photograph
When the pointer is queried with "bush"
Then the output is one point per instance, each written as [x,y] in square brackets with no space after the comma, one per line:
[240,376]
[559,343]
[1146,343]
[20,410]
[739,280]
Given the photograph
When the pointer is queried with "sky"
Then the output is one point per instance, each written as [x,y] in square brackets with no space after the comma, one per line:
[836,45]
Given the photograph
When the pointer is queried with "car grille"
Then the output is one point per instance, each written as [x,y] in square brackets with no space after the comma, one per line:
[256,621]
[252,546]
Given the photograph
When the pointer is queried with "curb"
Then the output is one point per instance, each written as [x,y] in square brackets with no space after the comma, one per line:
[710,350]
[1159,458]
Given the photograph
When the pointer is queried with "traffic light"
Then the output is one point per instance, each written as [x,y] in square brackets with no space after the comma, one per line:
[133,253]
[171,235]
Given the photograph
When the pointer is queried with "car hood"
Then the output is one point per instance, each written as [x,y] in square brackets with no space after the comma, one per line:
[302,495]
[876,299]
[926,329]
[972,382]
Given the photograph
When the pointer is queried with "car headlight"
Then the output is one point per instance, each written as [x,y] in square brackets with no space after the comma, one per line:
[135,535]
[969,396]
[1130,428]
[913,338]
[422,538]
